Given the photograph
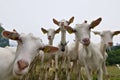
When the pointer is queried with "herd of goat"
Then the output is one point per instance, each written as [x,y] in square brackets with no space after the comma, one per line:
[82,53]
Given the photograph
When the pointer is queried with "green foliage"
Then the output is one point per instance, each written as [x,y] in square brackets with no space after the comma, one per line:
[3,42]
[114,56]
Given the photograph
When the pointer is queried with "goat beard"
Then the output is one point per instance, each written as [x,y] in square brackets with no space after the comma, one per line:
[108,49]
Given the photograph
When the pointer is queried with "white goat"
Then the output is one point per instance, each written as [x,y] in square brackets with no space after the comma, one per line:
[72,55]
[106,42]
[89,55]
[16,64]
[48,57]
[63,44]
[50,34]
[6,62]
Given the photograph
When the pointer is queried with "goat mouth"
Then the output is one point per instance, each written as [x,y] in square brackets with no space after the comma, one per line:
[49,38]
[110,45]
[18,74]
[86,44]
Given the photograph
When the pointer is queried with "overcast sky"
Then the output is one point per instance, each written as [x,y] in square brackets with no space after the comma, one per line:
[28,16]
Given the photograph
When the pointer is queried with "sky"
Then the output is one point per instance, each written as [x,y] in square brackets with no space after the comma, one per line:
[28,16]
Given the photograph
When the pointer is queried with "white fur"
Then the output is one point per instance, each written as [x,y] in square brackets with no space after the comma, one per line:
[106,38]
[6,63]
[26,50]
[46,58]
[89,55]
[62,54]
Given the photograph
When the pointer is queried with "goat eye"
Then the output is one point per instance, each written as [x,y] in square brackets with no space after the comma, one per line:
[89,27]
[75,31]
[102,35]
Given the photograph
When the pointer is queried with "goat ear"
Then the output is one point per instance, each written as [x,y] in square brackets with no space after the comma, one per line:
[44,30]
[116,33]
[69,29]
[96,32]
[57,31]
[10,35]
[49,49]
[95,23]
[71,20]
[55,21]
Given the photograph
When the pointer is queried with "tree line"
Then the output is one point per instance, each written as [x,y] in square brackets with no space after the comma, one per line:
[114,55]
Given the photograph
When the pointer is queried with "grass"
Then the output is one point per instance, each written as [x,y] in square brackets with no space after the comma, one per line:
[38,73]
[114,72]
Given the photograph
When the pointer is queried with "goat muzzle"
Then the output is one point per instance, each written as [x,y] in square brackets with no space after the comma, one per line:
[86,41]
[22,64]
[110,44]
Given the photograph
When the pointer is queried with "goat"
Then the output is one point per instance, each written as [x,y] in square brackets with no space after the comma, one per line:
[50,34]
[106,42]
[16,62]
[72,55]
[46,57]
[63,44]
[89,55]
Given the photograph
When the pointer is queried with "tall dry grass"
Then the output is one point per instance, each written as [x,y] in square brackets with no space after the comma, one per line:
[37,72]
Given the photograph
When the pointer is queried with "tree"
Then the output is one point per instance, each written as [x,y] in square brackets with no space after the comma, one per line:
[3,42]
[114,56]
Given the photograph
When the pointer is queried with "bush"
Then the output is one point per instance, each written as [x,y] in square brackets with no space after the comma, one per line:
[3,42]
[114,56]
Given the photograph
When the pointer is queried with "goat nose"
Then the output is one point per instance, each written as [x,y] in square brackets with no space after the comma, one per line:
[49,37]
[86,40]
[22,64]
[62,49]
[110,43]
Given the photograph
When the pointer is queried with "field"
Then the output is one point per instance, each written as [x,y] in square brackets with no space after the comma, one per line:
[114,73]
[39,74]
